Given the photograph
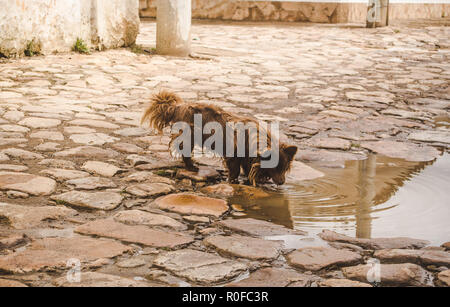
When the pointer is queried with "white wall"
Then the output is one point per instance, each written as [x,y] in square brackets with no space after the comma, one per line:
[56,24]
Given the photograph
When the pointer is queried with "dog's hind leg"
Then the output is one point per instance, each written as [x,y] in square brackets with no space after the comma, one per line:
[234,169]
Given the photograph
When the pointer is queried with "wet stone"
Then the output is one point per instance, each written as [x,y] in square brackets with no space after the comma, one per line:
[138,217]
[27,183]
[191,204]
[149,189]
[274,277]
[407,151]
[228,190]
[50,253]
[406,274]
[92,183]
[375,243]
[199,267]
[257,228]
[95,279]
[134,234]
[23,217]
[300,171]
[317,258]
[245,247]
[90,200]
[101,168]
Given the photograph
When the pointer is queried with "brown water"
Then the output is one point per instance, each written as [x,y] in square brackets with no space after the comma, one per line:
[377,197]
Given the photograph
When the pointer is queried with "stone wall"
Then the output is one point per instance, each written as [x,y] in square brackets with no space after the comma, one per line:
[298,11]
[54,26]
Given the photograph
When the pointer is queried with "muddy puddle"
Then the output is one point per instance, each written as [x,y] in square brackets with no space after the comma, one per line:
[377,197]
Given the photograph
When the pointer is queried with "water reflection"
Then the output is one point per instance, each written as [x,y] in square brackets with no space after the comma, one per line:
[376,197]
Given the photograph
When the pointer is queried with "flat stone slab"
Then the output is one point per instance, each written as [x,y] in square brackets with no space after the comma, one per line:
[431,136]
[138,217]
[375,243]
[93,123]
[444,277]
[426,257]
[23,217]
[8,283]
[101,168]
[191,204]
[245,247]
[274,277]
[406,274]
[149,189]
[38,122]
[148,177]
[48,135]
[330,143]
[134,234]
[228,190]
[27,183]
[257,228]
[300,172]
[328,155]
[93,138]
[204,173]
[92,183]
[12,167]
[17,153]
[90,200]
[51,253]
[64,174]
[199,267]
[407,151]
[87,152]
[95,279]
[317,258]
[340,283]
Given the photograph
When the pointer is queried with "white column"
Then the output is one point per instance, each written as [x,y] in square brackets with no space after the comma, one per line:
[173,30]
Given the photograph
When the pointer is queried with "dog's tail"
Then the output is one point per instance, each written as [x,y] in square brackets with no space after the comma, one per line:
[161,111]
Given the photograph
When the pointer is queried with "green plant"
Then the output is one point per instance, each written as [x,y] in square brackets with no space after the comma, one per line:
[80,46]
[32,48]
[137,49]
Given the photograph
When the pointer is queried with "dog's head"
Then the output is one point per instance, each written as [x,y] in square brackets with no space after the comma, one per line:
[286,154]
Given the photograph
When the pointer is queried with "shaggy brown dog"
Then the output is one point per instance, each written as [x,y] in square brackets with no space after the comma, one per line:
[167,109]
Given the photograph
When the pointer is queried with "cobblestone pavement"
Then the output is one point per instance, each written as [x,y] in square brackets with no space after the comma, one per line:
[79,176]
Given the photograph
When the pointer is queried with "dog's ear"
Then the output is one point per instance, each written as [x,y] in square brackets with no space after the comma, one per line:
[290,150]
